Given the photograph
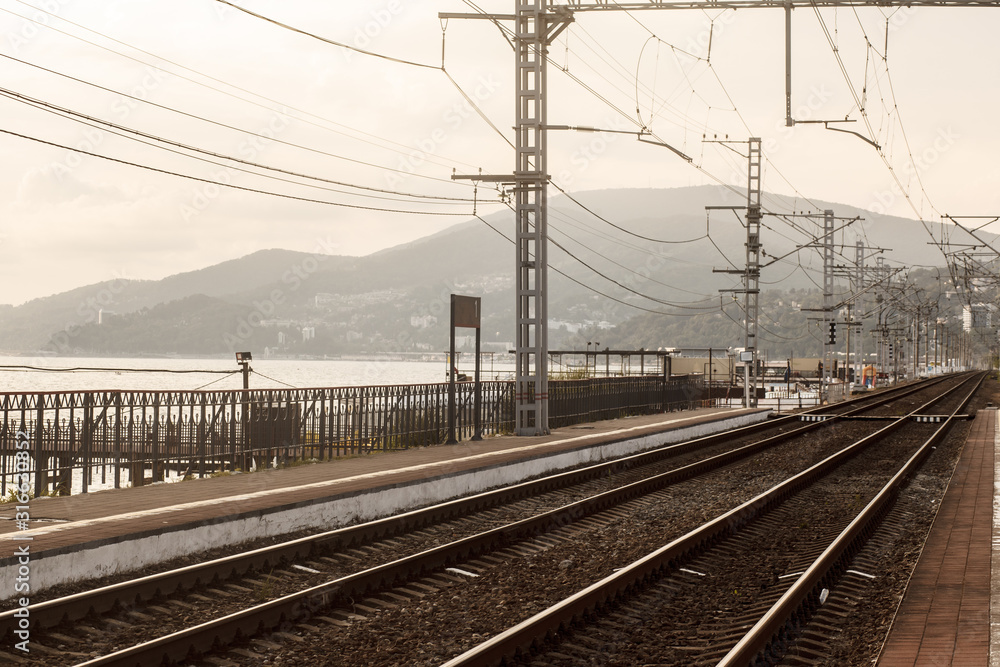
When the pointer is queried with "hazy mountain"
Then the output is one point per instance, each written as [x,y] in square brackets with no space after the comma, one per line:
[397,299]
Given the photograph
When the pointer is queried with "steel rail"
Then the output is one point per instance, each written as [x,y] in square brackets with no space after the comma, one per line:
[778,626]
[300,605]
[606,592]
[177,646]
[104,599]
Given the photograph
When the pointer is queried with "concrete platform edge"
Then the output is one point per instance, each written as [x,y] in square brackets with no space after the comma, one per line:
[132,552]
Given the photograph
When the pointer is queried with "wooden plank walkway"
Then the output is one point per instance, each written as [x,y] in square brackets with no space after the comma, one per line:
[944,617]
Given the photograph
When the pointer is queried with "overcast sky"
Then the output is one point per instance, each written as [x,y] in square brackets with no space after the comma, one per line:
[70,219]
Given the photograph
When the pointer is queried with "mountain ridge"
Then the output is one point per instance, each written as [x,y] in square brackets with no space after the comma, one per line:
[313,303]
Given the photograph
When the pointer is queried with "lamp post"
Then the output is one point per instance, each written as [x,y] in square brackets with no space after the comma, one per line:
[244,359]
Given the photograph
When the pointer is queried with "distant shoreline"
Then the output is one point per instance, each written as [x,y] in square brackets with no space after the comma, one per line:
[429,357]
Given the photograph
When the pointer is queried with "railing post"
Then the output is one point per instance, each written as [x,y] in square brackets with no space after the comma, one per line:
[118,441]
[137,469]
[41,471]
[201,439]
[65,458]
[245,425]
[321,434]
[338,417]
[155,436]
[87,437]
[71,434]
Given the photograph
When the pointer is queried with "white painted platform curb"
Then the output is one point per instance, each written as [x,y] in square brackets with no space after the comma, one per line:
[133,554]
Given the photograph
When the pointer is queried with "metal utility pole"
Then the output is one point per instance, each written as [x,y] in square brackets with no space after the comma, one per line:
[828,349]
[751,281]
[751,270]
[534,30]
[859,265]
[535,26]
[881,335]
[855,305]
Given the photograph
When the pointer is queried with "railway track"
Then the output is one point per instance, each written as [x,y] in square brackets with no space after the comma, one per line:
[780,611]
[338,560]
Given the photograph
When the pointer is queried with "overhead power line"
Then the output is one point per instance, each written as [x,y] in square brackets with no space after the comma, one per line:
[222,184]
[280,107]
[645,276]
[325,39]
[588,287]
[88,369]
[93,122]
[619,284]
[619,227]
[227,126]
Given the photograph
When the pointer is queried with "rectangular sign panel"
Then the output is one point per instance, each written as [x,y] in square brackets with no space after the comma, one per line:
[466,309]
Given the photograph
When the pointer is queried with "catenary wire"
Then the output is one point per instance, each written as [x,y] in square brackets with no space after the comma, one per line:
[673,304]
[585,286]
[618,227]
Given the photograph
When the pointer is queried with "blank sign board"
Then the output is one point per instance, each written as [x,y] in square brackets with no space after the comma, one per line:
[466,309]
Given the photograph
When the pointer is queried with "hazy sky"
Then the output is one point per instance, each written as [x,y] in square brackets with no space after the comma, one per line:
[70,219]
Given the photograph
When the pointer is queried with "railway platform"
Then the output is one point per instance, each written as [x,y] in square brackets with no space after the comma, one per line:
[945,617]
[104,533]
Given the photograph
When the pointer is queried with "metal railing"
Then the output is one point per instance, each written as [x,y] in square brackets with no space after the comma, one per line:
[596,399]
[79,441]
